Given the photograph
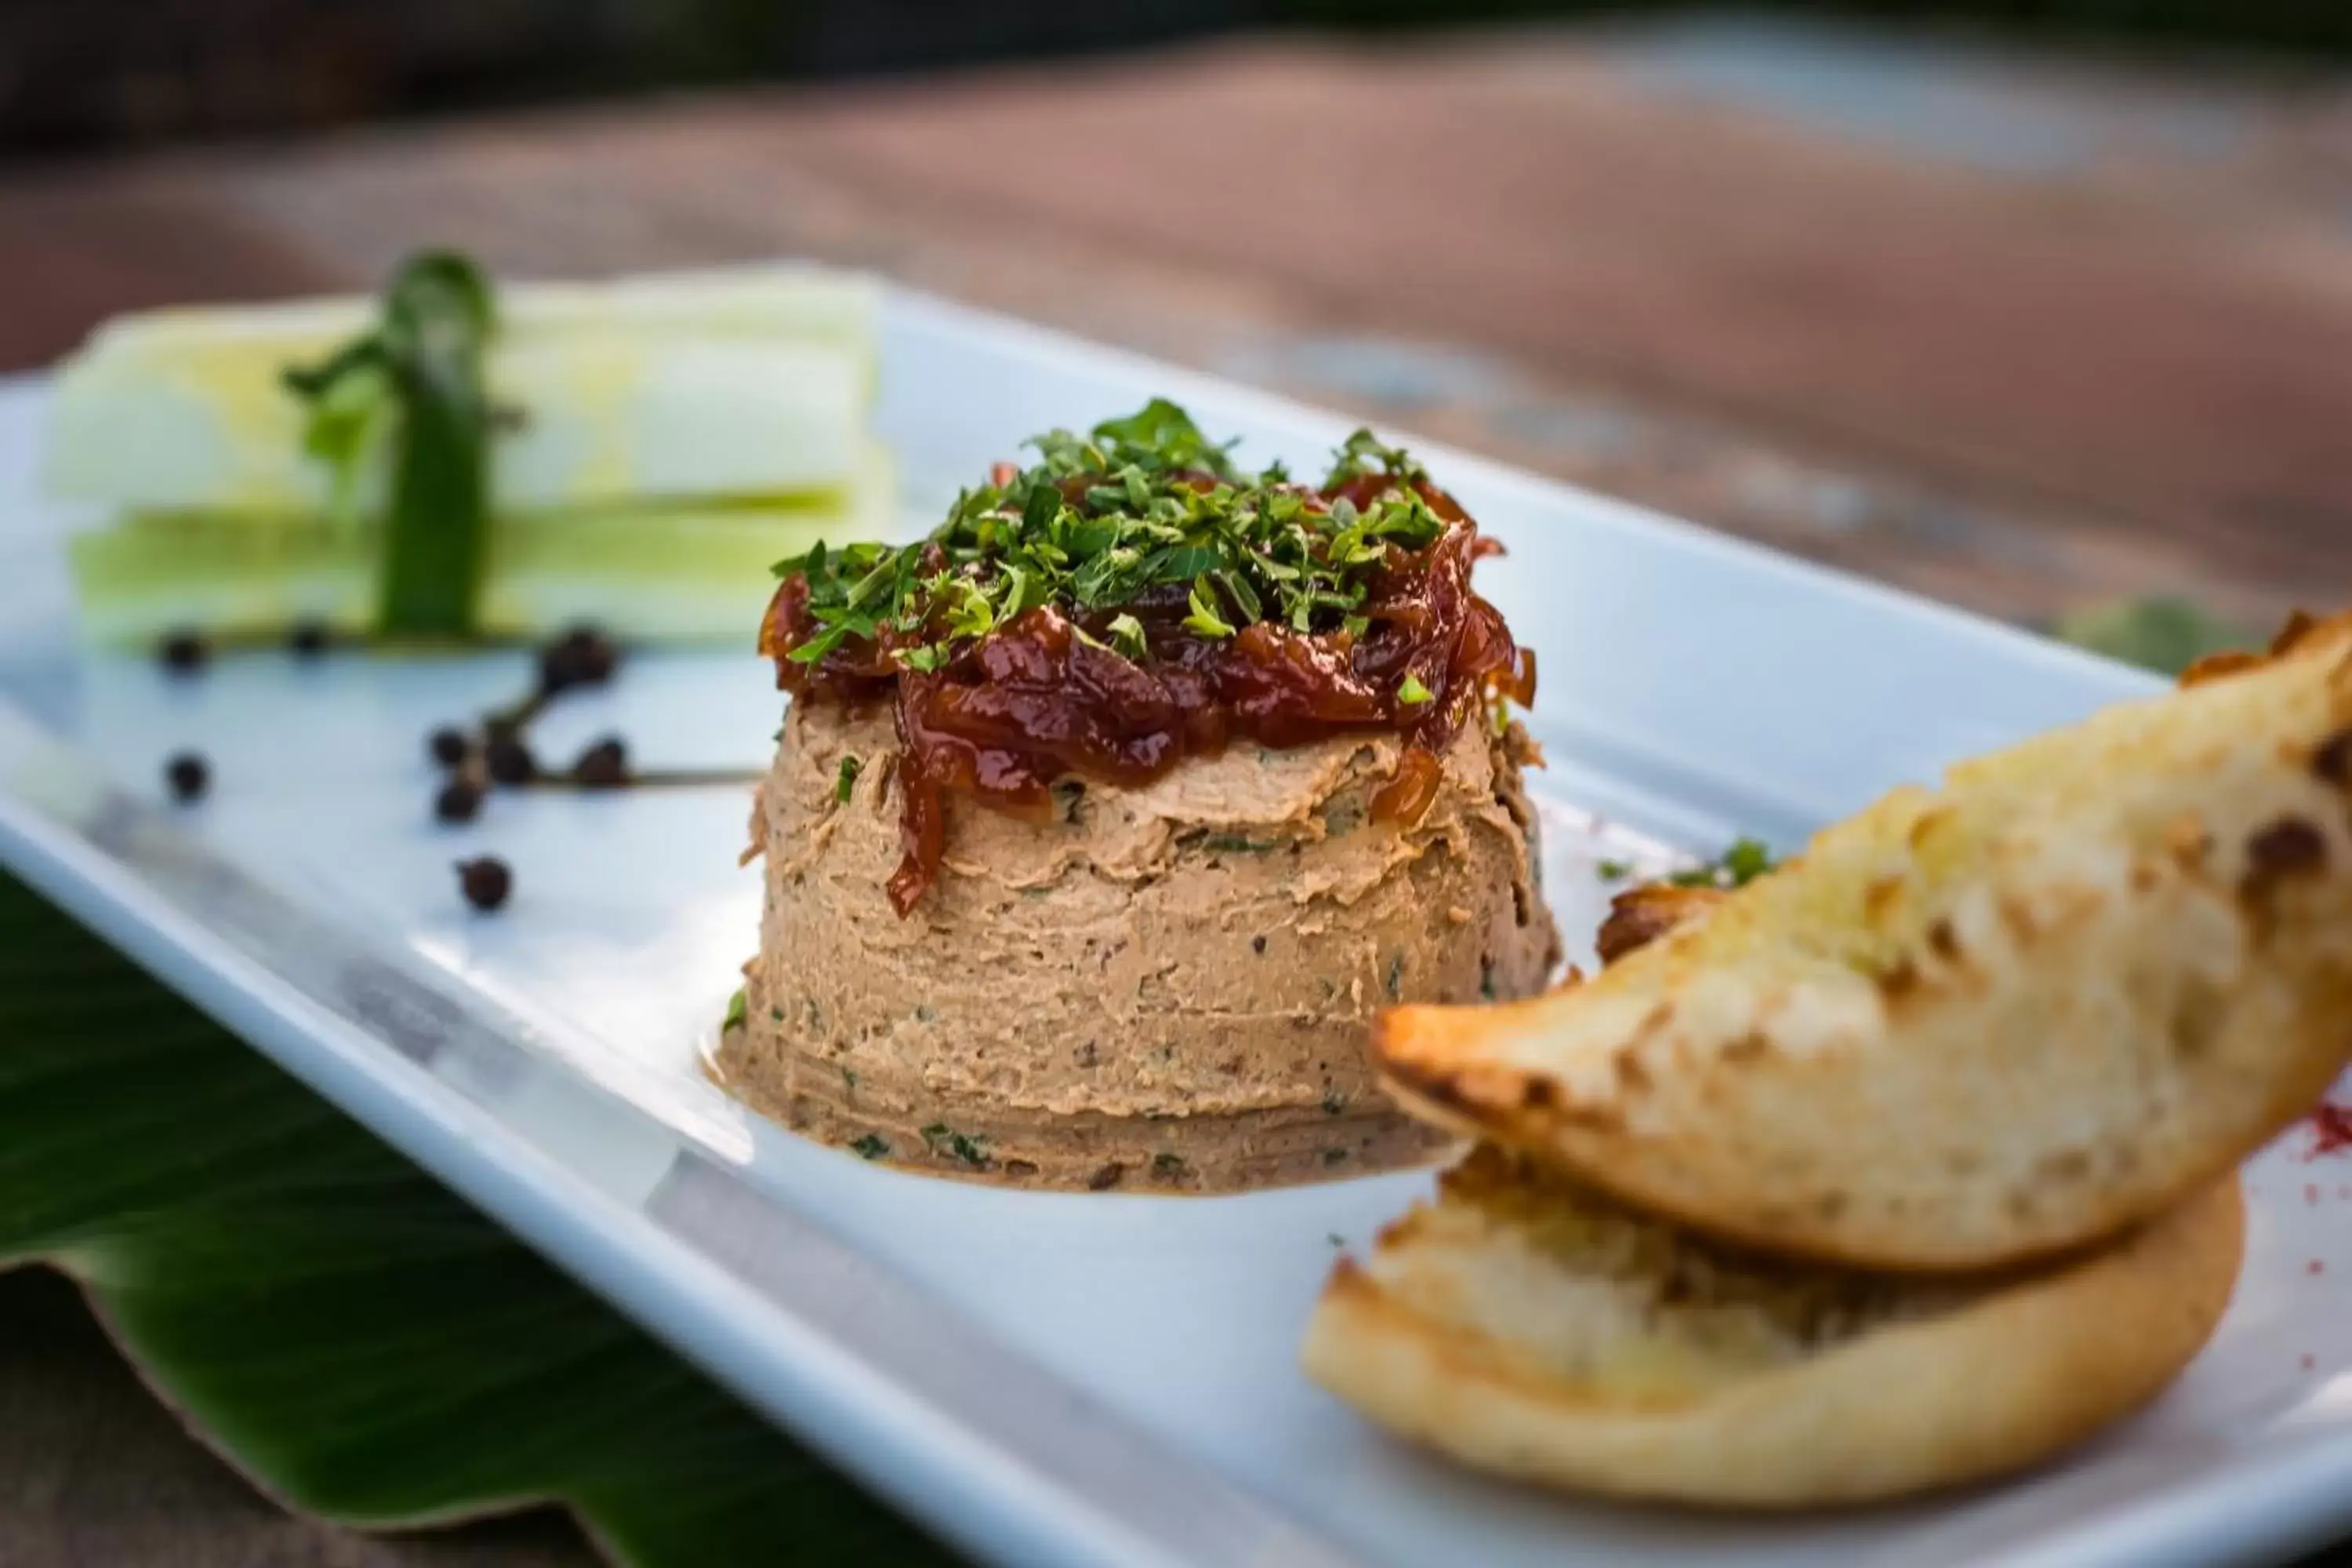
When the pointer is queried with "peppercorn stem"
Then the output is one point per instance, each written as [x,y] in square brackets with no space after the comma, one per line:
[654,778]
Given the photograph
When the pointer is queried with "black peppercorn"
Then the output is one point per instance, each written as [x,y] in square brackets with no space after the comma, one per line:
[510,760]
[188,776]
[604,765]
[184,653]
[460,800]
[308,640]
[447,745]
[581,656]
[484,882]
[598,658]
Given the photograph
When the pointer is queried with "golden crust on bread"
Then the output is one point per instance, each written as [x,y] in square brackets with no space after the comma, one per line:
[1975,1025]
[1529,1326]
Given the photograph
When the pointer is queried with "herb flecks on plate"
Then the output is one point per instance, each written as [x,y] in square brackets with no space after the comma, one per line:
[1742,863]
[1134,598]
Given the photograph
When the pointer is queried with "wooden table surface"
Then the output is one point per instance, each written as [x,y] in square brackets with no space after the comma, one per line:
[2022,337]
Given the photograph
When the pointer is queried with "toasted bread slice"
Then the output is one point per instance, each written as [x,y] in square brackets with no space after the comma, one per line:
[1528,1325]
[1976,1024]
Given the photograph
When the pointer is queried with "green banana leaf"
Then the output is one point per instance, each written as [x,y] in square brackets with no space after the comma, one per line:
[363,1345]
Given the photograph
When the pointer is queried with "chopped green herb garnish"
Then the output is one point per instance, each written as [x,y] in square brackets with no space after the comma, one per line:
[734,1019]
[1335,1238]
[1396,978]
[1746,860]
[872,1146]
[845,780]
[1126,634]
[1167,1165]
[940,1137]
[1141,508]
[1614,871]
[1334,1103]
[1364,453]
[776,1015]
[1413,693]
[1334,1156]
[1204,618]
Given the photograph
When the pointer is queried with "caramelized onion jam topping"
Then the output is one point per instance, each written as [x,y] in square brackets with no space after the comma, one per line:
[1133,600]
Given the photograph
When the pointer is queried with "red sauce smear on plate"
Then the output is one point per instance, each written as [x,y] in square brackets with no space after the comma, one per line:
[2331,1127]
[1014,711]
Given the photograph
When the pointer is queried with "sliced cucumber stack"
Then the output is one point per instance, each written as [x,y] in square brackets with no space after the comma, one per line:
[236,579]
[676,573]
[664,572]
[657,444]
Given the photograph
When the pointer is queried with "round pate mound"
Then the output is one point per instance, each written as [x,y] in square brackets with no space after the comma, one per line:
[1164,987]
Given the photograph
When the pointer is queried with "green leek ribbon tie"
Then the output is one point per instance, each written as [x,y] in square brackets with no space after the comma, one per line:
[416,380]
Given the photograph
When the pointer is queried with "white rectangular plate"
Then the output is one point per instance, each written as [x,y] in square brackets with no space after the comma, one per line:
[1044,1377]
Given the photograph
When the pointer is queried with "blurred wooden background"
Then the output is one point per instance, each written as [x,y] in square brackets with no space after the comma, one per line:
[113,72]
[2023,335]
